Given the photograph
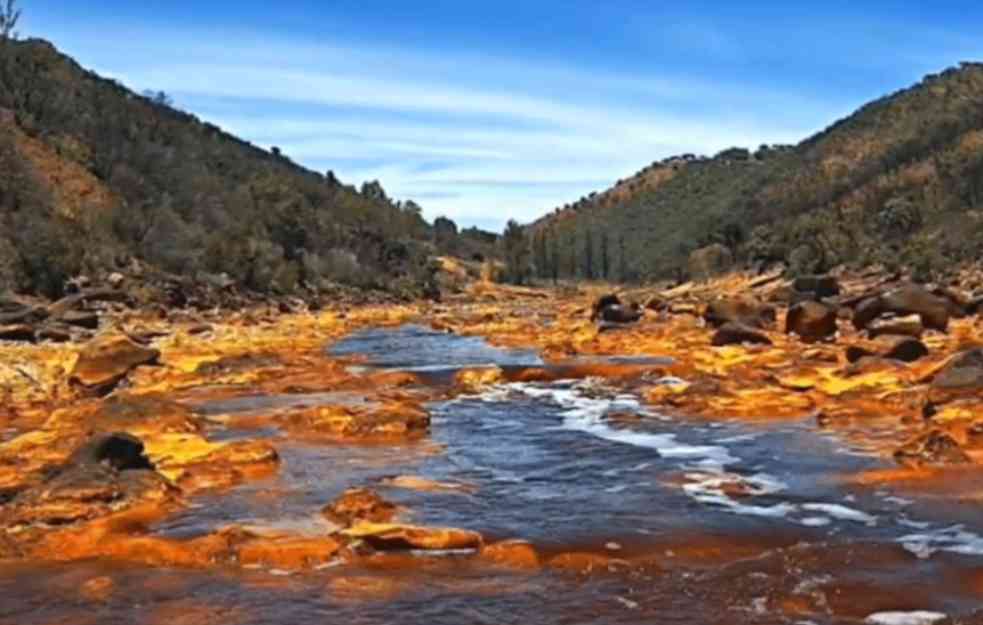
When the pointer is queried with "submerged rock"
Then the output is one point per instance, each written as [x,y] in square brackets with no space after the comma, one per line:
[357,505]
[932,448]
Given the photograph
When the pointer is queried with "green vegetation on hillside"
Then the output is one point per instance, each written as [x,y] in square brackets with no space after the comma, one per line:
[95,175]
[899,183]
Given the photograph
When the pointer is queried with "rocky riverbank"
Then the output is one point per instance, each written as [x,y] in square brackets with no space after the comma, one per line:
[106,435]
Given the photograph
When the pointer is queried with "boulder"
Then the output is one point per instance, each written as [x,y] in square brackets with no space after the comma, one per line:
[106,361]
[904,348]
[818,286]
[741,311]
[961,376]
[603,302]
[621,314]
[359,504]
[737,334]
[119,451]
[912,299]
[709,261]
[856,353]
[958,304]
[106,474]
[866,311]
[896,326]
[812,321]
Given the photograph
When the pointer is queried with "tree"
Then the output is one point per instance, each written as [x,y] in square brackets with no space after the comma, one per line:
[555,258]
[9,16]
[622,260]
[516,253]
[588,255]
[605,259]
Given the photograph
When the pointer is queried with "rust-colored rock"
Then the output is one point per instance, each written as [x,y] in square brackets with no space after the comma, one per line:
[391,536]
[515,554]
[359,504]
[106,361]
[812,321]
[932,448]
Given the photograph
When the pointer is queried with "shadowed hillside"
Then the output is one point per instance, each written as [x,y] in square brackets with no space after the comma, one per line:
[900,182]
[96,177]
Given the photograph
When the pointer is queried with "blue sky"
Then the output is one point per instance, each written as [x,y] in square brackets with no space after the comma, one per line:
[485,111]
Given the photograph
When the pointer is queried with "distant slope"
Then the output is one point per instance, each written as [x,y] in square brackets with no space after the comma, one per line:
[898,182]
[94,174]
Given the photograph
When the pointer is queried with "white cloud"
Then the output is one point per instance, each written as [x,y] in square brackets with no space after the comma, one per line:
[478,138]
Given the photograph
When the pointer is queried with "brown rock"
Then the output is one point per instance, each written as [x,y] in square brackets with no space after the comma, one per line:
[742,311]
[18,333]
[962,376]
[80,319]
[54,334]
[603,302]
[736,334]
[359,504]
[866,311]
[855,353]
[106,361]
[912,299]
[904,348]
[621,314]
[812,321]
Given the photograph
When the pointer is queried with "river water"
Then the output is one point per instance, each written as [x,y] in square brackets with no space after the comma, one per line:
[698,522]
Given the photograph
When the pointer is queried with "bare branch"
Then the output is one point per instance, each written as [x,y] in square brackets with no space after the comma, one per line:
[9,16]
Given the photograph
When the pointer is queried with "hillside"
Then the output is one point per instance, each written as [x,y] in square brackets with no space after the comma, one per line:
[97,178]
[899,183]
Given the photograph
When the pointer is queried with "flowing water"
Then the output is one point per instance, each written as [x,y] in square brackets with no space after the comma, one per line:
[698,522]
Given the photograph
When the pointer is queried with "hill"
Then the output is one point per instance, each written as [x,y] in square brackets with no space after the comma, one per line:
[97,179]
[898,183]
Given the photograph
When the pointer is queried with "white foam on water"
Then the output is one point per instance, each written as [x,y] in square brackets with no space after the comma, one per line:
[614,490]
[842,513]
[815,521]
[899,501]
[919,617]
[955,539]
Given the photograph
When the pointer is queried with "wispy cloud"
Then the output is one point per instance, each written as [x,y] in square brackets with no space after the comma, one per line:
[478,137]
